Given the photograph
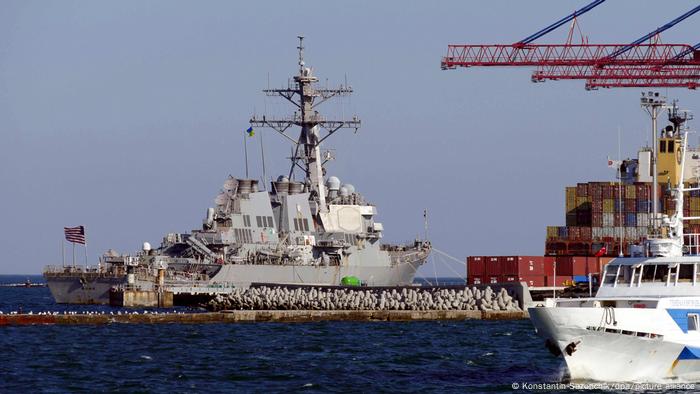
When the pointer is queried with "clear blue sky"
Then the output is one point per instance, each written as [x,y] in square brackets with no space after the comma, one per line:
[126,116]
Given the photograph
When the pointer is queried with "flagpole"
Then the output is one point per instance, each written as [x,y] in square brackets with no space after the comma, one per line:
[73,254]
[245,149]
[63,252]
[262,152]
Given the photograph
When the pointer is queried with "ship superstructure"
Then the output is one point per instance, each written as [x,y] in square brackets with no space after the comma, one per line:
[310,229]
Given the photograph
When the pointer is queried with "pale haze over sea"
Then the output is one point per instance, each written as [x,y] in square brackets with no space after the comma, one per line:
[126,117]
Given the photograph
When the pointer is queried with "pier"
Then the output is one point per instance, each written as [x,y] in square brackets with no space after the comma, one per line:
[299,316]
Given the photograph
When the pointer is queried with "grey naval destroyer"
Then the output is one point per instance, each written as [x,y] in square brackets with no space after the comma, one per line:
[306,229]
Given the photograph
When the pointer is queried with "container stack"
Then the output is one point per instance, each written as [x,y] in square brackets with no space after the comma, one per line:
[599,214]
[536,271]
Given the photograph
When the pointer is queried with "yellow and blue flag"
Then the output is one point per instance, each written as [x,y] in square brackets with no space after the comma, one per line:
[250,131]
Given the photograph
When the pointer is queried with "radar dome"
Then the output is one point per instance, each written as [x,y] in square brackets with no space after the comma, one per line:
[344,191]
[333,183]
[146,246]
[282,178]
[221,199]
[230,184]
[351,188]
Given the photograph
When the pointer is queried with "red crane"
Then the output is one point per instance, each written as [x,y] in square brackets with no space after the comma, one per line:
[638,63]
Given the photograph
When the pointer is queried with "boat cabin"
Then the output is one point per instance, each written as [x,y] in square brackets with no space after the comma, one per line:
[651,277]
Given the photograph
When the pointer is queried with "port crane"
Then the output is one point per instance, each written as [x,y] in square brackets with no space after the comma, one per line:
[646,62]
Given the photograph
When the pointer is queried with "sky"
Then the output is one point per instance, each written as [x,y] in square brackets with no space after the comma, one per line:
[127,116]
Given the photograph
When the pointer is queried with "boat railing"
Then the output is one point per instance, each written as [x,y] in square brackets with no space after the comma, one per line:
[691,243]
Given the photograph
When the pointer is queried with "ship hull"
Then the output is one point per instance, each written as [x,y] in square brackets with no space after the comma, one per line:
[620,353]
[242,275]
[80,289]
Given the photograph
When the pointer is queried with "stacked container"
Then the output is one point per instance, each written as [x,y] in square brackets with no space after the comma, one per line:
[600,213]
[536,271]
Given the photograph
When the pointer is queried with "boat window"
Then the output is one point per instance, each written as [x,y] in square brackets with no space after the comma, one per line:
[636,274]
[662,146]
[610,274]
[670,147]
[270,223]
[648,273]
[625,275]
[693,322]
[685,273]
[673,274]
[306,224]
[661,274]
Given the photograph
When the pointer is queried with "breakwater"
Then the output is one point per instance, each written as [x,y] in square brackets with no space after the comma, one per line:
[295,316]
[367,299]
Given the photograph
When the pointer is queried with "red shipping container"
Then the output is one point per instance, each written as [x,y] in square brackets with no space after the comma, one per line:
[562,263]
[578,266]
[474,280]
[476,266]
[493,267]
[493,279]
[530,265]
[509,265]
[533,280]
[509,278]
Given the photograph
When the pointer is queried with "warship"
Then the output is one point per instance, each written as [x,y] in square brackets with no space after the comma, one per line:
[306,229]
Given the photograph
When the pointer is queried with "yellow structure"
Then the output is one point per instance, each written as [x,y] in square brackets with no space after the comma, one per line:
[669,160]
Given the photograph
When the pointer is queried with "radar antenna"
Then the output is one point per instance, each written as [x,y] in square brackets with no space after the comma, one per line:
[306,97]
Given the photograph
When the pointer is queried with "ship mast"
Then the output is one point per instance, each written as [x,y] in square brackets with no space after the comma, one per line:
[306,97]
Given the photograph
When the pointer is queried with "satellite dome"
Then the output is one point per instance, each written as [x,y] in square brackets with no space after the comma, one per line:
[333,183]
[230,184]
[344,191]
[282,178]
[351,188]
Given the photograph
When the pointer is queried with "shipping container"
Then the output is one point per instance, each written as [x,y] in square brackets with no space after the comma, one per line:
[474,280]
[582,190]
[492,266]
[531,265]
[476,266]
[533,280]
[509,265]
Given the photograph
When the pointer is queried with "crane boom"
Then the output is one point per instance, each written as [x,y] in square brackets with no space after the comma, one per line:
[657,31]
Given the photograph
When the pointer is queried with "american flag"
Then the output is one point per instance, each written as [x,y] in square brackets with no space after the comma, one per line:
[75,234]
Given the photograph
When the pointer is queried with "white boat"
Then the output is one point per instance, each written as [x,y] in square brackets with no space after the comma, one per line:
[644,322]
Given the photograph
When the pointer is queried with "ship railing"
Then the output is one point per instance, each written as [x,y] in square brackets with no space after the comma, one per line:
[691,243]
[56,270]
